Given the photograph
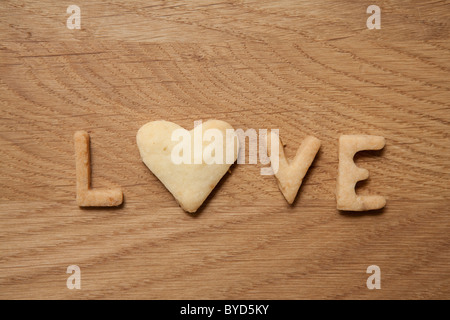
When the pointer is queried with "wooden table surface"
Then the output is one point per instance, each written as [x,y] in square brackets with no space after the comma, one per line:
[304,67]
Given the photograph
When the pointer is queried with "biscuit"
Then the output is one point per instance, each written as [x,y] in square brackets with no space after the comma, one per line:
[349,174]
[87,197]
[290,174]
[190,182]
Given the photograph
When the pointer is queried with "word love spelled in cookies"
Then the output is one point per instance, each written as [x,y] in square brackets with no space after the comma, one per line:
[191,163]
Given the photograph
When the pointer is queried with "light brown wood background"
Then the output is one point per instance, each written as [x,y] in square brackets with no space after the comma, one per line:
[304,67]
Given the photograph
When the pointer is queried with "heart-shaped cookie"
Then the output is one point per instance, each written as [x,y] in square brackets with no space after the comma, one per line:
[206,153]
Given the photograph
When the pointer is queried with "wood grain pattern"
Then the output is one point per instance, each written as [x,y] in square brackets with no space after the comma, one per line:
[305,67]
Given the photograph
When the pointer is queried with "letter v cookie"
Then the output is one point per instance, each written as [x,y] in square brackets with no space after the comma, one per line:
[290,174]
